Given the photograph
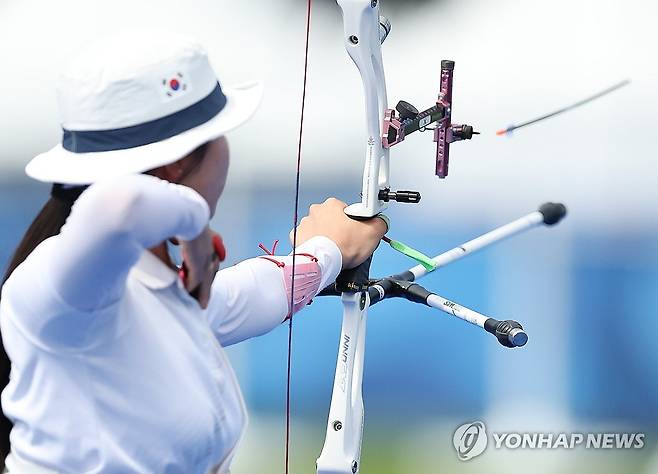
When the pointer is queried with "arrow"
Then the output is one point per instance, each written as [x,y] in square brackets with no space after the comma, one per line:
[607,91]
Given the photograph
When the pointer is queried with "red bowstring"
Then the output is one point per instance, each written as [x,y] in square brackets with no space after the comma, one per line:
[294,239]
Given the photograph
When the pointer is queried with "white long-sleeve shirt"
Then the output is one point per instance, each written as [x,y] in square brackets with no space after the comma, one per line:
[115,367]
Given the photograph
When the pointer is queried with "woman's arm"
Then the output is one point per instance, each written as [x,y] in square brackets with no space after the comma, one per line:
[110,226]
[84,268]
[250,298]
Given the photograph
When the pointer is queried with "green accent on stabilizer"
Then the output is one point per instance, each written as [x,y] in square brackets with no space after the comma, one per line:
[420,257]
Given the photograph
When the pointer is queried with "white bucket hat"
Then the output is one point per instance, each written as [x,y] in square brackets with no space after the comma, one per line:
[137,101]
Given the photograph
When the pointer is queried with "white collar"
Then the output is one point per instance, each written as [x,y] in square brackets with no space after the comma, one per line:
[152,272]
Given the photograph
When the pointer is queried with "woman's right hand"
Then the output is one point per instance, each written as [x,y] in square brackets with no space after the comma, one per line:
[201,261]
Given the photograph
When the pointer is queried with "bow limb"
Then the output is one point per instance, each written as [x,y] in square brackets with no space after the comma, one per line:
[364,35]
[341,453]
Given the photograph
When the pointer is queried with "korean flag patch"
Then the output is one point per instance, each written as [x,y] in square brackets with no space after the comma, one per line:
[174,86]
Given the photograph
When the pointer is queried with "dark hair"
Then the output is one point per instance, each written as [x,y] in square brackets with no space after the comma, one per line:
[49,222]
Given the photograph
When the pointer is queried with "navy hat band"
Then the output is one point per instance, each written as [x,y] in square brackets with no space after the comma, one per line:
[149,132]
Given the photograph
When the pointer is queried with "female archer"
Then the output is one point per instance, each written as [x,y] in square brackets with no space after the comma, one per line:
[116,354]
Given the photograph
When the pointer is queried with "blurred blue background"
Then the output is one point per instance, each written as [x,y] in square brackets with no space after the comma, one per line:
[586,290]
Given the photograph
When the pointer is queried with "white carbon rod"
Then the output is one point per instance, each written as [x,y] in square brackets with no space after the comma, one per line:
[509,333]
[450,307]
[548,214]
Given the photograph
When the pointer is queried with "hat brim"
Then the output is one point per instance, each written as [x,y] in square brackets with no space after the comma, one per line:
[59,165]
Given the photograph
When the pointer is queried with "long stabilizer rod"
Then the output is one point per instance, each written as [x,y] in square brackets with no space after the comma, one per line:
[548,214]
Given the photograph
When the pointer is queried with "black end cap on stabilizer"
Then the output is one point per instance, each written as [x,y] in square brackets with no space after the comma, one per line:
[552,212]
[509,333]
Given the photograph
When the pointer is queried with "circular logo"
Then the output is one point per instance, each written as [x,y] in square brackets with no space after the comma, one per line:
[470,440]
[174,84]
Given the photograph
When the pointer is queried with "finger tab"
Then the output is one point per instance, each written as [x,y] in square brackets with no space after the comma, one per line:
[218,245]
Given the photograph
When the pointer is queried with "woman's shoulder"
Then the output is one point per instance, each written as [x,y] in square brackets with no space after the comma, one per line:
[32,269]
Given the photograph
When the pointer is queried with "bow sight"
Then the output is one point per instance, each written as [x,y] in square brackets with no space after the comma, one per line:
[410,120]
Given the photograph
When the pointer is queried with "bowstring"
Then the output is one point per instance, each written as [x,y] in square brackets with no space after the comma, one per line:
[294,239]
